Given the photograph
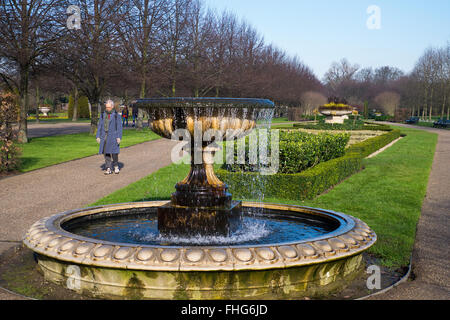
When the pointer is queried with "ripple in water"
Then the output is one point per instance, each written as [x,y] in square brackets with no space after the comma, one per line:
[248,231]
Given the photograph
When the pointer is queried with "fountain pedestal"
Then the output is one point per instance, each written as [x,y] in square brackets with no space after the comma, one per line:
[201,204]
[205,221]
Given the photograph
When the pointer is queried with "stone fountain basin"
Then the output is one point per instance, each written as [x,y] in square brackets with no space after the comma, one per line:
[169,114]
[105,269]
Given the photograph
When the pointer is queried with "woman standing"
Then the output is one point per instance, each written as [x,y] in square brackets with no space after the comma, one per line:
[125,114]
[109,136]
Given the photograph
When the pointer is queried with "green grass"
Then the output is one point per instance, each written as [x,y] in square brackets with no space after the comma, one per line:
[280,120]
[282,126]
[55,121]
[276,120]
[387,194]
[47,151]
[157,186]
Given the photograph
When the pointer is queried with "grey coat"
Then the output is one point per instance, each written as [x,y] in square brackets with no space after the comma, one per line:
[111,145]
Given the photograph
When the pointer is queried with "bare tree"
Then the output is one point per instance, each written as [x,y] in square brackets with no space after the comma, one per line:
[442,64]
[312,100]
[389,101]
[386,74]
[173,40]
[89,56]
[139,37]
[28,30]
[340,72]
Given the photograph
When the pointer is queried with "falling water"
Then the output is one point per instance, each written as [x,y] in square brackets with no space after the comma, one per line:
[234,111]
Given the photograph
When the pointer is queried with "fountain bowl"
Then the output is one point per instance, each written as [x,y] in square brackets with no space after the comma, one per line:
[287,269]
[238,114]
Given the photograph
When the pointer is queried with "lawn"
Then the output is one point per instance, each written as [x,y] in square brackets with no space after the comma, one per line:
[47,151]
[387,194]
[55,121]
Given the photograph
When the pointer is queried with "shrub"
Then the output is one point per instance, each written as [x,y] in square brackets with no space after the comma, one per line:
[335,106]
[304,185]
[348,125]
[9,152]
[298,151]
[384,118]
[311,182]
[82,107]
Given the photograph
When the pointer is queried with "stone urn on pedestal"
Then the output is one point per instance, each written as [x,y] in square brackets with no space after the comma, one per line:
[45,110]
[336,113]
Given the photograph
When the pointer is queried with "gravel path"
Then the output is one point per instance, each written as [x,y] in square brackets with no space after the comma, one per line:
[28,197]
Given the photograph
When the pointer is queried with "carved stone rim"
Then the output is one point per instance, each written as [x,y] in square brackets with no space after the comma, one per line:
[47,238]
[197,102]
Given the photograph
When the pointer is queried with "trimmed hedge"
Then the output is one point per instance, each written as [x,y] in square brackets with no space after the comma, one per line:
[369,146]
[298,151]
[348,126]
[309,183]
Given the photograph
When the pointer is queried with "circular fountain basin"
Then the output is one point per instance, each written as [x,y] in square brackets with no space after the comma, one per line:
[280,252]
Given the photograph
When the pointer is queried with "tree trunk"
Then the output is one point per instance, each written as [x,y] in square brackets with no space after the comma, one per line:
[37,103]
[75,104]
[174,82]
[366,109]
[443,106]
[425,106]
[94,116]
[23,128]
[140,118]
[431,104]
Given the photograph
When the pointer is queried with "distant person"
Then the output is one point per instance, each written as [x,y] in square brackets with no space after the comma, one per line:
[125,117]
[109,136]
[135,115]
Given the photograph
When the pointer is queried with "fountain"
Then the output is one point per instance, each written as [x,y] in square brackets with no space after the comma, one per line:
[202,244]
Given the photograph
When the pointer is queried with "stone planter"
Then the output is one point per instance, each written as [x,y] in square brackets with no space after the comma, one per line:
[335,116]
[44,110]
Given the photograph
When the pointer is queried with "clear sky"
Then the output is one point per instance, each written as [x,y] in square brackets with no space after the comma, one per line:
[322,31]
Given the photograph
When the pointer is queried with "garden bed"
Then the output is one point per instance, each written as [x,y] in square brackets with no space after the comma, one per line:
[308,183]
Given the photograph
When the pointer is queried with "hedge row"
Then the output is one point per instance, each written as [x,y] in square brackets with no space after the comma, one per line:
[347,125]
[309,183]
[298,151]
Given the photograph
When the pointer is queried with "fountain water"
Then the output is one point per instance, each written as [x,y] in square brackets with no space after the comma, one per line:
[202,244]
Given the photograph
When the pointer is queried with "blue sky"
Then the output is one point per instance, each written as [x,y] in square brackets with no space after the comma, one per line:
[322,31]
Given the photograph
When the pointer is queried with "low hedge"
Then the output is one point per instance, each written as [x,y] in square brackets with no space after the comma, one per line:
[299,151]
[347,125]
[309,183]
[369,146]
